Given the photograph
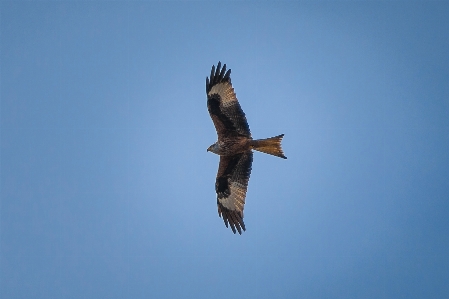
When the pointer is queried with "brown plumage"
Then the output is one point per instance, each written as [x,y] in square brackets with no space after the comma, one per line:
[234,146]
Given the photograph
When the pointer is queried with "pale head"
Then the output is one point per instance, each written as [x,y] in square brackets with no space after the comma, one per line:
[213,148]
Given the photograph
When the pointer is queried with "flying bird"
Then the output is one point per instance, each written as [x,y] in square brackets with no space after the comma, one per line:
[234,146]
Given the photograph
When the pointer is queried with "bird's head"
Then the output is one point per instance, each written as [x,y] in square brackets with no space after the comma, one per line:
[213,148]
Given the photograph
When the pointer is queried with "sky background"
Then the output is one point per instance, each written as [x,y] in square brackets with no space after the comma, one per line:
[107,190]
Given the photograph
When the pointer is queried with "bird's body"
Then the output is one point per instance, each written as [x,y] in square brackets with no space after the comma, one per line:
[229,146]
[234,146]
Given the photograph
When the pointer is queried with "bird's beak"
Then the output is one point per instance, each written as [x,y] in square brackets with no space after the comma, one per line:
[208,149]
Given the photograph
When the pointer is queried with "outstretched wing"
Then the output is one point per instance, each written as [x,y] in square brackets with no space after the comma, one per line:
[231,184]
[223,106]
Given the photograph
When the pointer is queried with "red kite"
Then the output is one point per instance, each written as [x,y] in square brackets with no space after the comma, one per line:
[234,146]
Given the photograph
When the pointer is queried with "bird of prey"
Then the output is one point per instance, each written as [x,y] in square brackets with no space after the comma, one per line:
[234,146]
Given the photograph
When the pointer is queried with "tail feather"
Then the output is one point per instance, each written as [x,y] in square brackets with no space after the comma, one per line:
[270,146]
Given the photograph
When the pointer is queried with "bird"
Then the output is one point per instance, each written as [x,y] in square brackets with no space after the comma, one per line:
[234,146]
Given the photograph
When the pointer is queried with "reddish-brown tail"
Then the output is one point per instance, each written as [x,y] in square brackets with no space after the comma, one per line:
[270,146]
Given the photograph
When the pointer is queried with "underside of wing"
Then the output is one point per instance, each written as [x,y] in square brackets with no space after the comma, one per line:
[231,185]
[223,106]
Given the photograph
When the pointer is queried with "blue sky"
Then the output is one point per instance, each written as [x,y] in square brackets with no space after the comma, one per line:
[107,190]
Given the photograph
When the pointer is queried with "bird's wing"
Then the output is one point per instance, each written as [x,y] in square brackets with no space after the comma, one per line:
[224,108]
[231,184]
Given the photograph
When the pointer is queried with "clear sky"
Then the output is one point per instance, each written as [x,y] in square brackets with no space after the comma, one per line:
[107,190]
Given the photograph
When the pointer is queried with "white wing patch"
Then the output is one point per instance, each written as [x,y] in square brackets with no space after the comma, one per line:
[226,93]
[236,200]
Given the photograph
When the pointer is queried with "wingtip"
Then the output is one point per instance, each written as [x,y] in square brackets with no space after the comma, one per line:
[218,74]
[217,71]
[212,73]
[227,76]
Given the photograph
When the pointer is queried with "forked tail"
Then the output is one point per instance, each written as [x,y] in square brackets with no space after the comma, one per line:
[270,146]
